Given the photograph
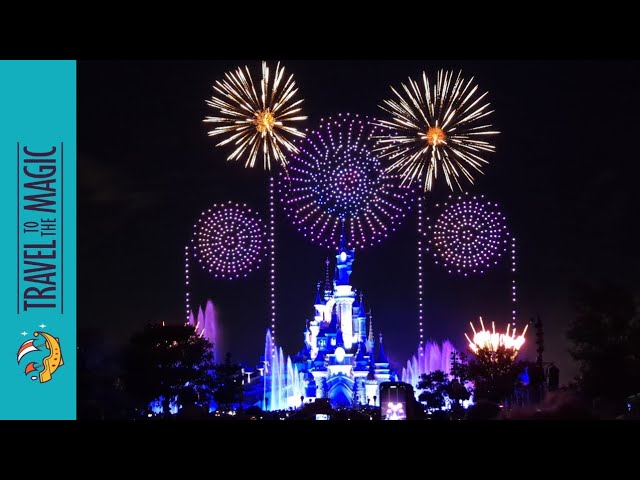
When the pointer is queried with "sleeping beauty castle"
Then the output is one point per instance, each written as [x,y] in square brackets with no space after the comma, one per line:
[341,359]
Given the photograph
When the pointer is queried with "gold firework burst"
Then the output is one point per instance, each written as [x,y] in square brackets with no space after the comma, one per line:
[491,341]
[256,124]
[436,126]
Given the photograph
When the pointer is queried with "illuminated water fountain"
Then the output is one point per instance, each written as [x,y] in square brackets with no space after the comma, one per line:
[283,384]
[207,326]
[430,358]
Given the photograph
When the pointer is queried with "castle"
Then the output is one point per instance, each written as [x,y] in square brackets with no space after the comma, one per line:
[341,359]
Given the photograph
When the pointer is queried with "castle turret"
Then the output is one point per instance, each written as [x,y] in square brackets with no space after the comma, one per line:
[344,295]
[345,258]
[381,358]
[359,321]
[383,372]
[328,287]
[371,385]
[362,361]
[313,327]
[361,312]
[370,341]
[307,336]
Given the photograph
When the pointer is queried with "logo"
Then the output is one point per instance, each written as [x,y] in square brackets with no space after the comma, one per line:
[44,369]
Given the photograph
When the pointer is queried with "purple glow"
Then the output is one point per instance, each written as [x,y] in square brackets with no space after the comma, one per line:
[207,326]
[335,178]
[469,235]
[228,240]
[429,358]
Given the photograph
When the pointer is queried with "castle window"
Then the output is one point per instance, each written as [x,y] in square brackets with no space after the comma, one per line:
[333,341]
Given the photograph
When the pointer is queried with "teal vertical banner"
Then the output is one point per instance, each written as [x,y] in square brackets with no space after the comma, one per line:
[37,248]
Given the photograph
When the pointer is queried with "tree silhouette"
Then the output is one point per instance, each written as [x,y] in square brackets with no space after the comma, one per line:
[438,386]
[605,337]
[456,389]
[495,373]
[434,389]
[228,384]
[166,362]
[459,366]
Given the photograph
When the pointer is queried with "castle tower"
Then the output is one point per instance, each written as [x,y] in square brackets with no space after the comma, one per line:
[372,389]
[370,340]
[314,326]
[359,321]
[328,287]
[382,370]
[344,296]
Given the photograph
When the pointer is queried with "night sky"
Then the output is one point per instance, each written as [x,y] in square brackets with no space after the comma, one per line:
[564,175]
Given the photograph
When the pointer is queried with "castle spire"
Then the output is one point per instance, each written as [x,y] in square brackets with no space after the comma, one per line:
[371,375]
[344,260]
[382,356]
[370,341]
[343,239]
[328,286]
[360,360]
[361,312]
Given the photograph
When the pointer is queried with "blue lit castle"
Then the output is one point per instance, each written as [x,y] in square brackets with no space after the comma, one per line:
[340,360]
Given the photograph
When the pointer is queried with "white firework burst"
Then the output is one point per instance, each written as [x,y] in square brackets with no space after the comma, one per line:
[437,126]
[256,124]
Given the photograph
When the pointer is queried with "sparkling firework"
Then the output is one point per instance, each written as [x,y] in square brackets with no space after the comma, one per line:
[336,178]
[436,126]
[491,341]
[469,235]
[228,240]
[254,123]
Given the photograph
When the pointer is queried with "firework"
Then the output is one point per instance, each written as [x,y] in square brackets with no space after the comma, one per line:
[437,126]
[491,341]
[469,235]
[336,179]
[256,124]
[228,240]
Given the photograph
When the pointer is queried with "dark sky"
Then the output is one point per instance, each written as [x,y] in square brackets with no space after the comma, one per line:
[564,174]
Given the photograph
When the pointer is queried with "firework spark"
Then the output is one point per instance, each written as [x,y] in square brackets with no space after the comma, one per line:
[491,341]
[436,126]
[256,124]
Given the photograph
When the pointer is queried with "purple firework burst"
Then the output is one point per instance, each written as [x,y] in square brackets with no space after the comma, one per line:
[336,178]
[228,240]
[469,235]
